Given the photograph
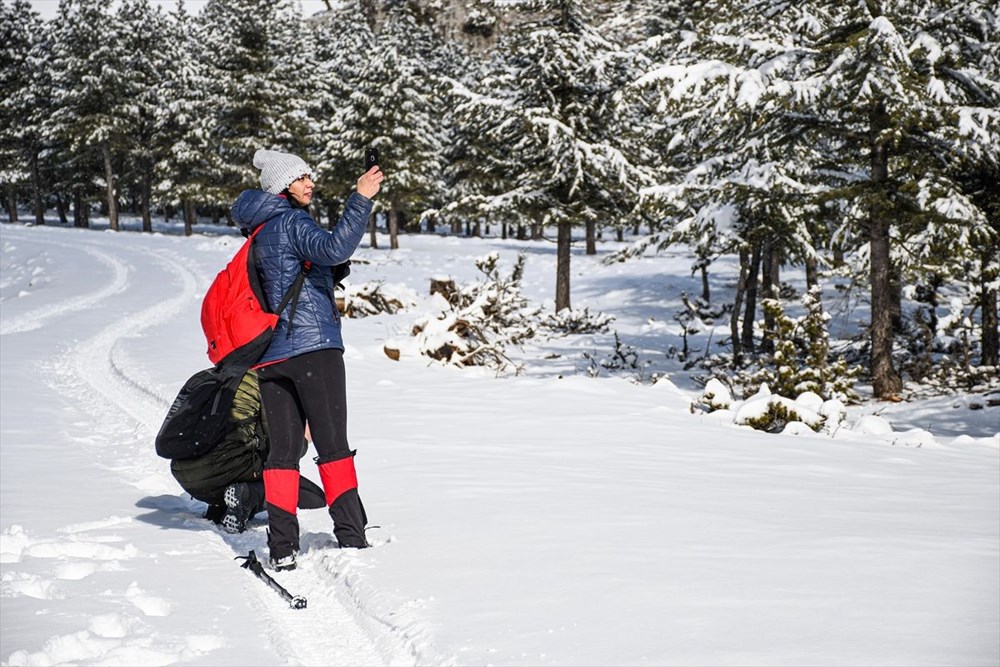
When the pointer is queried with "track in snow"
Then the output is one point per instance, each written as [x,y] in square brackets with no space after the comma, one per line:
[127,413]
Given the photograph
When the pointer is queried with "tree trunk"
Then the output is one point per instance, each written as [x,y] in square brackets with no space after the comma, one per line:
[812,273]
[11,202]
[591,237]
[536,231]
[563,241]
[896,295]
[372,231]
[79,210]
[36,188]
[706,293]
[620,234]
[750,314]
[61,208]
[393,220]
[767,291]
[109,176]
[989,294]
[147,194]
[187,208]
[734,316]
[886,382]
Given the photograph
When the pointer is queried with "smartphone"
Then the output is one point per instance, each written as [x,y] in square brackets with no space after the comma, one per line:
[371,158]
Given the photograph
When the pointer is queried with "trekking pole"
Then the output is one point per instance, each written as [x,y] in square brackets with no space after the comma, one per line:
[251,563]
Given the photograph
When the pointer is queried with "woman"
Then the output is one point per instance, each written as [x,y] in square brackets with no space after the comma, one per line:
[301,374]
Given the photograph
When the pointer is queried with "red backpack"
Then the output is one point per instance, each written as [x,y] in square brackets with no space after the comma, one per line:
[234,315]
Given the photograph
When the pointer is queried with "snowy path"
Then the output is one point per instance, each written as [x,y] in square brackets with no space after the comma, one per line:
[123,409]
[38,317]
[546,519]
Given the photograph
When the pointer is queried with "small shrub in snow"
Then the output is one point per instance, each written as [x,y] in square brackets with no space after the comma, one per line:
[872,425]
[915,437]
[480,320]
[568,321]
[624,358]
[696,318]
[796,428]
[771,413]
[714,397]
[375,297]
[800,361]
[834,413]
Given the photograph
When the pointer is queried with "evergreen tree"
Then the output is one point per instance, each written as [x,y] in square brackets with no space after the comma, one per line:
[89,112]
[182,142]
[145,34]
[552,98]
[23,78]
[256,70]
[474,170]
[342,43]
[405,88]
[477,173]
[822,101]
[383,89]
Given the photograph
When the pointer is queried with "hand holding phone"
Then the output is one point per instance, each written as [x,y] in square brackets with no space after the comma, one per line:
[371,157]
[370,183]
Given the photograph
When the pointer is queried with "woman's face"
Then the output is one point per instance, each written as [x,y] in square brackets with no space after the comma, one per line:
[302,190]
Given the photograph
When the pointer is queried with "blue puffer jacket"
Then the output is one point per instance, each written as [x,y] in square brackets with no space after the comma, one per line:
[291,236]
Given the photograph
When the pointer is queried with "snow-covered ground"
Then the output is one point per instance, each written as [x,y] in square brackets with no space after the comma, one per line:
[548,518]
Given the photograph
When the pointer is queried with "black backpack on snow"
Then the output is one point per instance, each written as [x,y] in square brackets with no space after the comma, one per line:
[199,417]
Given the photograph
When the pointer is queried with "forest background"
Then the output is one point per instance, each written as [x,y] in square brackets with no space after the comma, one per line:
[857,140]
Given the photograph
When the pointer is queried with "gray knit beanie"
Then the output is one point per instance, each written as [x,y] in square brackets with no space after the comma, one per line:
[279,170]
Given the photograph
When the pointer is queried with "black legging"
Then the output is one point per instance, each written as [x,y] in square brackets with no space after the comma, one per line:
[311,387]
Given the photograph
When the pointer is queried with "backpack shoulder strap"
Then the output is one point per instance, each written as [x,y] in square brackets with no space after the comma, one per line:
[293,292]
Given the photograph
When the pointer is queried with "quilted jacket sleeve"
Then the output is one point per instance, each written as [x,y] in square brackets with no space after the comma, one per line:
[324,248]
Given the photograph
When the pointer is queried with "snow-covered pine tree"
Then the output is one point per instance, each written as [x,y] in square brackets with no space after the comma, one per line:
[23,78]
[815,101]
[556,123]
[342,42]
[800,361]
[957,239]
[880,68]
[382,89]
[256,71]
[182,143]
[88,77]
[727,182]
[478,175]
[405,85]
[145,35]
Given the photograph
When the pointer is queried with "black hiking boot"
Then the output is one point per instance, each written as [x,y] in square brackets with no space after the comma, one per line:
[239,507]
[284,563]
